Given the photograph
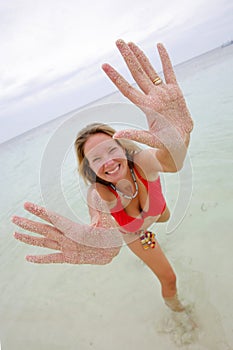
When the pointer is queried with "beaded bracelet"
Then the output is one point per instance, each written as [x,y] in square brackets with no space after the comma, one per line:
[147,239]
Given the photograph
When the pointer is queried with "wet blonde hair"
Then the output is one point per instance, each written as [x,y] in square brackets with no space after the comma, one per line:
[83,165]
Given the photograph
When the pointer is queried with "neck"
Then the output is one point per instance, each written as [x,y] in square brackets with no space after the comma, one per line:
[127,187]
[125,181]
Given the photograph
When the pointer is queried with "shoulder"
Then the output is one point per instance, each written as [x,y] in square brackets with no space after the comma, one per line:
[147,164]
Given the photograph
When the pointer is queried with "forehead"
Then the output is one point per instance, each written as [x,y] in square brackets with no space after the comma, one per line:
[97,143]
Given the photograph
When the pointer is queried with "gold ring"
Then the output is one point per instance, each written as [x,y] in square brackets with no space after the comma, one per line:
[157,81]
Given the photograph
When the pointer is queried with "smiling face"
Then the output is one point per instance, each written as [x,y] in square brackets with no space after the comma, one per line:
[106,157]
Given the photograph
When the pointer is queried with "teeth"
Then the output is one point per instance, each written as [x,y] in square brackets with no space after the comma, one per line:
[113,171]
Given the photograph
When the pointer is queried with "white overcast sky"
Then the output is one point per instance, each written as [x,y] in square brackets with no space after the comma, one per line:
[52,50]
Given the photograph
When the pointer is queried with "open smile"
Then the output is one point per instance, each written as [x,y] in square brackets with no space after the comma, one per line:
[113,171]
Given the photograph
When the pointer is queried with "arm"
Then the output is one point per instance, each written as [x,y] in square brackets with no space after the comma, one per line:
[170,160]
[168,118]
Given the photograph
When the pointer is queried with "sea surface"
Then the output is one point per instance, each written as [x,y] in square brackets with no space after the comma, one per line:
[48,307]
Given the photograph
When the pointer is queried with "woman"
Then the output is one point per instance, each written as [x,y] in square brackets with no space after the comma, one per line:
[125,195]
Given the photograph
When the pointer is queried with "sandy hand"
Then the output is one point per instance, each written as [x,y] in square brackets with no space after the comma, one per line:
[164,104]
[77,244]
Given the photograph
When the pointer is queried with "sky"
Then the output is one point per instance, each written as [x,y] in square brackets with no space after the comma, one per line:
[52,50]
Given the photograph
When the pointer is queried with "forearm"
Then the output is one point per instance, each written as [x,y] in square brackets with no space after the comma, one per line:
[171,158]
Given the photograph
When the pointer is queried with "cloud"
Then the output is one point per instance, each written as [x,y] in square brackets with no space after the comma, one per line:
[48,37]
[52,47]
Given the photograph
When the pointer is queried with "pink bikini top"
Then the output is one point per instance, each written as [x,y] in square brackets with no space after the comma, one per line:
[157,205]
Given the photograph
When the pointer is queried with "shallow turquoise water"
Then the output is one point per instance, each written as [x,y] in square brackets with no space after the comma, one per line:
[39,302]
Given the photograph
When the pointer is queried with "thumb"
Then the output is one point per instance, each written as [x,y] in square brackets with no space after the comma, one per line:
[98,203]
[105,219]
[141,136]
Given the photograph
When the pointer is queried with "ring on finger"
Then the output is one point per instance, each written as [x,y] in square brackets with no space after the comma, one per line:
[157,81]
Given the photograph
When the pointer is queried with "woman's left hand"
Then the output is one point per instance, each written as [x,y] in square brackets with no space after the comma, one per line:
[163,103]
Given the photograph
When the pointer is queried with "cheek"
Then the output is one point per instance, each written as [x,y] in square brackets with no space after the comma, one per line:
[120,154]
[96,167]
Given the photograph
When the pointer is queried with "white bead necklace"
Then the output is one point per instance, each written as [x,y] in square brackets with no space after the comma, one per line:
[125,195]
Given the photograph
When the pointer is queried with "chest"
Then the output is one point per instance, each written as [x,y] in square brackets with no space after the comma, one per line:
[138,206]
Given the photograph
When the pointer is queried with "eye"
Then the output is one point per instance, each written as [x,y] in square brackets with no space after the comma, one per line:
[112,149]
[95,159]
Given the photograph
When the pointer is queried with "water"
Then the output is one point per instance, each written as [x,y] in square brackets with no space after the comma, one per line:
[92,307]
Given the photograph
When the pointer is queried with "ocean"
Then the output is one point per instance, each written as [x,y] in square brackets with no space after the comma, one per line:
[48,307]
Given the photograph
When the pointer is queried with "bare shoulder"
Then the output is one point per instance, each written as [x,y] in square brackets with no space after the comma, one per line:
[147,164]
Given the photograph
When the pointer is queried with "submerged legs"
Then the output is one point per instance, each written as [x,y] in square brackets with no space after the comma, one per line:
[156,260]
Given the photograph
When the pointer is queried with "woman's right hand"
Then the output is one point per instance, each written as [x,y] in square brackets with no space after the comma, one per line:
[77,244]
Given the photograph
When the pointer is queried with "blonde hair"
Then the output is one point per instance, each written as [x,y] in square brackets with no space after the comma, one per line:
[83,165]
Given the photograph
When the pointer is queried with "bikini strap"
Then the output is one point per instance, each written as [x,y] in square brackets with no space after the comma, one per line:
[114,192]
[144,181]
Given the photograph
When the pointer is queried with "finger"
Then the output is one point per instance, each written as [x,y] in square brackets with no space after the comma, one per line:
[55,258]
[135,67]
[123,86]
[61,223]
[37,210]
[144,61]
[141,136]
[37,227]
[168,71]
[37,241]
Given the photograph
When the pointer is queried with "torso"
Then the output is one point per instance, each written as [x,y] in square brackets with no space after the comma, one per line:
[140,212]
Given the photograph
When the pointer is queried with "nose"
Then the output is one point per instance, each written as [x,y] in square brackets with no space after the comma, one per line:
[108,162]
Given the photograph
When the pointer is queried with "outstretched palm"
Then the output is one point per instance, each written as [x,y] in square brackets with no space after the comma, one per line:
[163,104]
[77,244]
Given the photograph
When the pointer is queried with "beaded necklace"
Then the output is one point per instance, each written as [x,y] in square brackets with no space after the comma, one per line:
[125,195]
